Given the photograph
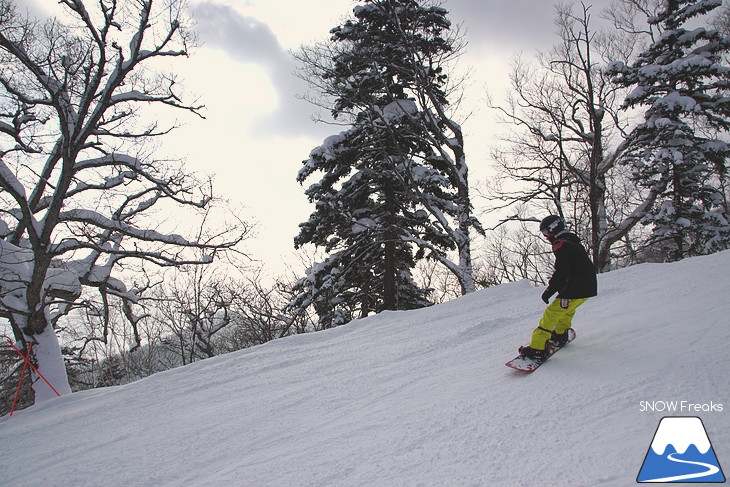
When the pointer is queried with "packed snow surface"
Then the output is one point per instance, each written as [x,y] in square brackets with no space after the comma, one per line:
[419,398]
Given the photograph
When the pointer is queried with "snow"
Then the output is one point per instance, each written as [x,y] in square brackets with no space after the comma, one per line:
[676,102]
[418,398]
[49,360]
[363,225]
[13,185]
[102,221]
[15,269]
[395,110]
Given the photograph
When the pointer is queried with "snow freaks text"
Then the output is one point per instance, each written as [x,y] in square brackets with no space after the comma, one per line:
[683,407]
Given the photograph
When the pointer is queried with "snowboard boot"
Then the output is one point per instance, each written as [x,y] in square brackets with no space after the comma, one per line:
[559,340]
[529,352]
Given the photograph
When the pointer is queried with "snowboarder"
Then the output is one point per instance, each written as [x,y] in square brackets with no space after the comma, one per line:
[574,280]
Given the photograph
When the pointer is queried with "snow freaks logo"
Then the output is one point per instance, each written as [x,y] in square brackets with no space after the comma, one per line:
[681,452]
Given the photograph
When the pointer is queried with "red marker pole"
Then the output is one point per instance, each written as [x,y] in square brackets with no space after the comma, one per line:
[33,366]
[22,376]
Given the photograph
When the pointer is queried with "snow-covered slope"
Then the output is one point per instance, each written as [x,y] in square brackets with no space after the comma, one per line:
[417,398]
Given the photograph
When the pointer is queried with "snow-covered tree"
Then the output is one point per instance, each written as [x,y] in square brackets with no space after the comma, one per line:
[397,181]
[565,143]
[365,218]
[681,145]
[82,197]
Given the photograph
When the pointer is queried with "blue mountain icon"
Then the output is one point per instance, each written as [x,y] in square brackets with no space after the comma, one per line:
[681,452]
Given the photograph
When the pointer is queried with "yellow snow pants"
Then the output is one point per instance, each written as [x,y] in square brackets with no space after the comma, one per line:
[558,317]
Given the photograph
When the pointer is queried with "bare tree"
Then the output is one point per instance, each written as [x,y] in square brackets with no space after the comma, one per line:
[194,313]
[568,133]
[193,306]
[258,315]
[515,254]
[82,196]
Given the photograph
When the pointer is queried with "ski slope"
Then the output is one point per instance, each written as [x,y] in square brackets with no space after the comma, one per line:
[418,398]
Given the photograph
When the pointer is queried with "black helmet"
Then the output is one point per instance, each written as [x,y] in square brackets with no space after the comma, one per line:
[552,225]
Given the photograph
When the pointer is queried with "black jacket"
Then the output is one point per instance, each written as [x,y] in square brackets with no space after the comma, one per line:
[575,274]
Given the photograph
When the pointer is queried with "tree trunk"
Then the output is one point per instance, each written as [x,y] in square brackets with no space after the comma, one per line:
[463,240]
[48,359]
[389,261]
[466,267]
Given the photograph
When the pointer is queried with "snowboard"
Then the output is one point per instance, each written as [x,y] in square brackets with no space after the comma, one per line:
[528,365]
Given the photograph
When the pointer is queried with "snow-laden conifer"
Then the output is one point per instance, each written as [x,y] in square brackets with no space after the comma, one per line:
[393,187]
[681,145]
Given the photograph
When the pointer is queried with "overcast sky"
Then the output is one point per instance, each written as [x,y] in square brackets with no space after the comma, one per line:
[257,132]
[265,131]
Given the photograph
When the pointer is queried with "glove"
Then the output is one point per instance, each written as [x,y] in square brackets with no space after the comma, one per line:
[547,295]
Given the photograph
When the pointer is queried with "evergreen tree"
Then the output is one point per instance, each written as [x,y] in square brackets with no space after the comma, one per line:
[364,217]
[679,145]
[393,187]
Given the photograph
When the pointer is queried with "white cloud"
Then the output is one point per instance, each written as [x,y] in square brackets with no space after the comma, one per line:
[247,39]
[251,168]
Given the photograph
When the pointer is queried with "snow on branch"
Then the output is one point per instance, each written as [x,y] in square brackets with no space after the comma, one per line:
[97,219]
[113,159]
[9,182]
